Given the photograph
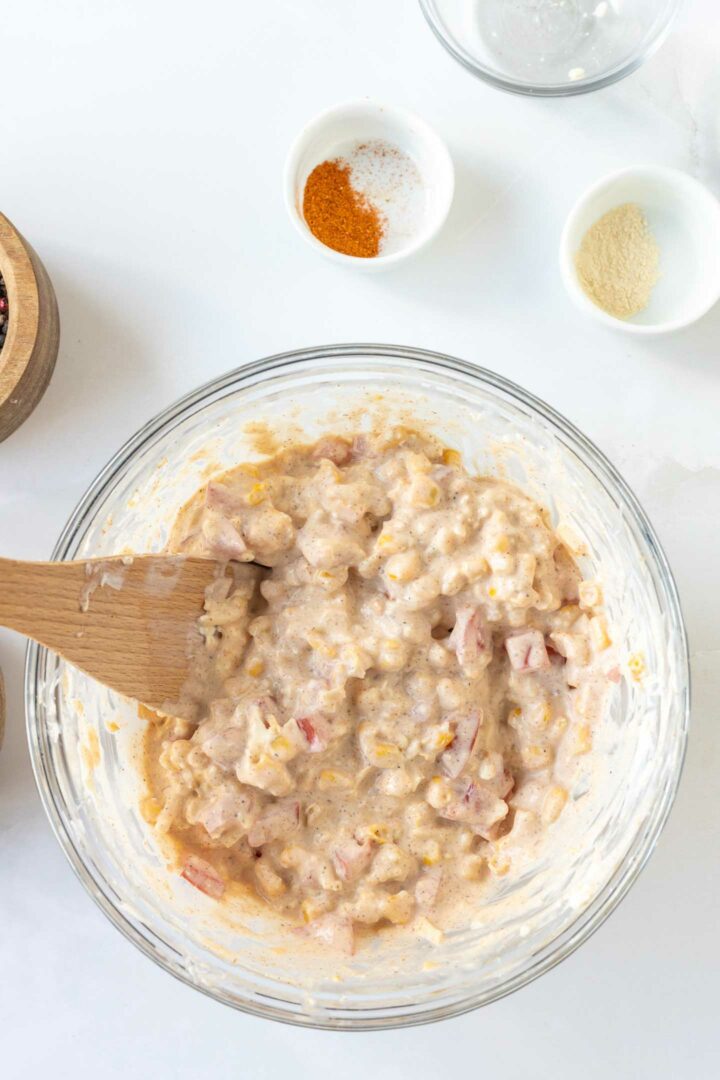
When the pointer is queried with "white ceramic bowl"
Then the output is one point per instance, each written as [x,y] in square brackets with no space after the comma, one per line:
[683,216]
[336,131]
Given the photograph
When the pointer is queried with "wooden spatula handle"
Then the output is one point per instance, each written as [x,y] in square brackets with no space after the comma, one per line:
[130,623]
[41,600]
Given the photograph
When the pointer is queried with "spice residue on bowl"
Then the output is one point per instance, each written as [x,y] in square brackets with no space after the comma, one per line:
[617,264]
[3,312]
[365,203]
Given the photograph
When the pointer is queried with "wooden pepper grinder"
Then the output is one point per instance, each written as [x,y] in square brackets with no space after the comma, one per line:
[28,356]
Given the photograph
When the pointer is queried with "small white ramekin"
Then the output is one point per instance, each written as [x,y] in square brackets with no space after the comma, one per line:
[684,218]
[327,137]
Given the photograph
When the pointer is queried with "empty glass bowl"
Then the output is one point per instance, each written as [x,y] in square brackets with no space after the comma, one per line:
[550,48]
[85,740]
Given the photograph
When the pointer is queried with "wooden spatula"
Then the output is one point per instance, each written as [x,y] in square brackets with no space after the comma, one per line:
[128,622]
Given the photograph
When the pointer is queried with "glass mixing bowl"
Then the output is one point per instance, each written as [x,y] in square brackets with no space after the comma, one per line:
[551,48]
[84,739]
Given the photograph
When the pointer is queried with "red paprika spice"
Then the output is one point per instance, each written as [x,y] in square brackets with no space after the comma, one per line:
[338,215]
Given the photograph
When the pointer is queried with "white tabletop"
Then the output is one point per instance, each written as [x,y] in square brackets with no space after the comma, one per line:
[142,147]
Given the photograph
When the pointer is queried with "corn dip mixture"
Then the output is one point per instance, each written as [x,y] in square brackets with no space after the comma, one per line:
[376,724]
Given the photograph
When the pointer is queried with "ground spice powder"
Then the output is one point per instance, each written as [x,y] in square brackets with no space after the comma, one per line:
[618,261]
[338,215]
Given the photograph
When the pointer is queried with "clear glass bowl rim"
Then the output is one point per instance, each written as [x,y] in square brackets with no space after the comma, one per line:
[529,89]
[643,843]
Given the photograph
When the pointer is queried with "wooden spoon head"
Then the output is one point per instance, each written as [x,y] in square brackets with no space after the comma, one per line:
[141,624]
[130,623]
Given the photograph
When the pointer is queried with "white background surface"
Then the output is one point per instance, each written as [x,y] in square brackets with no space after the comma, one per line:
[141,152]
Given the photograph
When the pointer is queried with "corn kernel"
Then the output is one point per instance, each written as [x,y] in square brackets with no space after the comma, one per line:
[535,756]
[355,660]
[582,740]
[432,495]
[539,715]
[439,792]
[391,657]
[490,766]
[572,646]
[451,457]
[280,745]
[262,761]
[398,907]
[112,726]
[255,495]
[598,633]
[444,542]
[404,567]
[378,832]
[388,543]
[150,809]
[431,853]
[636,666]
[429,931]
[385,750]
[442,739]
[492,592]
[499,862]
[439,656]
[318,644]
[465,839]
[560,724]
[553,804]
[451,693]
[590,594]
[260,626]
[472,867]
[452,581]
[256,667]
[502,544]
[270,883]
[291,856]
[149,714]
[424,492]
[474,566]
[565,617]
[311,909]
[329,779]
[570,539]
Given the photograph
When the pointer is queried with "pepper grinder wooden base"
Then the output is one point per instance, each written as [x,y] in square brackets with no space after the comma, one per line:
[28,356]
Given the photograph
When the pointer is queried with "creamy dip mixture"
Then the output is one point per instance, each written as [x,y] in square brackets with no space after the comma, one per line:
[381,718]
